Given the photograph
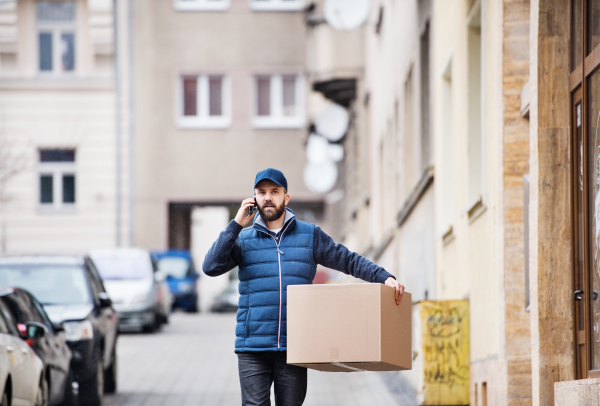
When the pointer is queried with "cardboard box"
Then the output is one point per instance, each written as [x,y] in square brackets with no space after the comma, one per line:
[346,328]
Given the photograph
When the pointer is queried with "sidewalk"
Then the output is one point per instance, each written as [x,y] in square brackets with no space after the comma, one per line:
[191,362]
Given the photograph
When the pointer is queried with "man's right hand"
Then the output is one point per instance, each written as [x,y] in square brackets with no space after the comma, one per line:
[241,217]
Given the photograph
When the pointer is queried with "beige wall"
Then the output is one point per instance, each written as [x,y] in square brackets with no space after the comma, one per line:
[469,258]
[71,111]
[199,165]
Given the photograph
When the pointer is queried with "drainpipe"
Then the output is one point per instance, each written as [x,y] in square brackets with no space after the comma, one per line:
[117,127]
[131,132]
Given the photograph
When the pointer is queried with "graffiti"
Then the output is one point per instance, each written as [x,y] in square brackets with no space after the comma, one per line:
[445,344]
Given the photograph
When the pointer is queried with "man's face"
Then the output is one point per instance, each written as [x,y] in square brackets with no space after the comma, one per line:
[271,200]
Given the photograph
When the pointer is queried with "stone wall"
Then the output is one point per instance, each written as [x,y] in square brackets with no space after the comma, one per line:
[515,151]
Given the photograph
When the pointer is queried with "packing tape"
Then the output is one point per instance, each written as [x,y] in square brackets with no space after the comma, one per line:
[339,364]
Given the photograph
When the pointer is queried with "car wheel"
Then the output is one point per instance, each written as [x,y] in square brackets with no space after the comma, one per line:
[153,326]
[110,375]
[193,308]
[41,399]
[91,392]
[71,393]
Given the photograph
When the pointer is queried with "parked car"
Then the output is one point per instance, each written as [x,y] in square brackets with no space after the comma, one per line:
[72,293]
[51,348]
[177,268]
[21,371]
[137,294]
[227,300]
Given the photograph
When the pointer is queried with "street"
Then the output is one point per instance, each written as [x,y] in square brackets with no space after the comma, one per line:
[191,362]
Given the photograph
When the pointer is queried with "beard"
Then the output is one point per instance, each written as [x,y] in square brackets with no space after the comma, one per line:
[272,215]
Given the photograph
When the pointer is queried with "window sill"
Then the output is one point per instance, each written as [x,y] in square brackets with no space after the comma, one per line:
[475,209]
[51,209]
[293,6]
[269,123]
[195,124]
[201,5]
[55,83]
[448,235]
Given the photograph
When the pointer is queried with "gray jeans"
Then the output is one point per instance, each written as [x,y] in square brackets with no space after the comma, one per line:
[258,370]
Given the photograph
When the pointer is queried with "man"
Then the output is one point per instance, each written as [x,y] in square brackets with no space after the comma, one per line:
[277,251]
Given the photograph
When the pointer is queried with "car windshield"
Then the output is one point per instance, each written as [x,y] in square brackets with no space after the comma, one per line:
[112,268]
[50,284]
[175,267]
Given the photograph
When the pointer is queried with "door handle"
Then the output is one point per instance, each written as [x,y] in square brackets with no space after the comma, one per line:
[577,293]
[10,348]
[24,350]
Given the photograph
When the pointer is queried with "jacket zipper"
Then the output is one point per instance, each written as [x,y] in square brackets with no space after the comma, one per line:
[279,253]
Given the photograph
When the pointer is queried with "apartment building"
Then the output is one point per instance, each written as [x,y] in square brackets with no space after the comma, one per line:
[63,126]
[220,94]
[443,150]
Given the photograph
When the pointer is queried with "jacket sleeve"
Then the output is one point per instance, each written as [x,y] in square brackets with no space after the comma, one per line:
[336,256]
[225,253]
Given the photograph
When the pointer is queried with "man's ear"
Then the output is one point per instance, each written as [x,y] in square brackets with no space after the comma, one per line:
[287,199]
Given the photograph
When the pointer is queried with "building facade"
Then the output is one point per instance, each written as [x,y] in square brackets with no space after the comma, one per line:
[63,125]
[220,95]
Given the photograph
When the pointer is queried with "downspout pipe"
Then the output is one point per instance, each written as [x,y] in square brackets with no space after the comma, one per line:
[117,126]
[131,131]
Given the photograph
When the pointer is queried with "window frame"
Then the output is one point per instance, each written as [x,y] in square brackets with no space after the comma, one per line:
[203,119]
[277,5]
[276,119]
[56,29]
[56,170]
[201,5]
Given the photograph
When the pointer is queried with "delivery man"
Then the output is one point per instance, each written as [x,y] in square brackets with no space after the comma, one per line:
[277,251]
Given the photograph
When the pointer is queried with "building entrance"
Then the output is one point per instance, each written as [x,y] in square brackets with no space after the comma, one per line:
[584,83]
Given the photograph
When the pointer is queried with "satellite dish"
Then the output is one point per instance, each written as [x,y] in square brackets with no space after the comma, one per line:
[336,152]
[320,178]
[317,149]
[346,14]
[333,123]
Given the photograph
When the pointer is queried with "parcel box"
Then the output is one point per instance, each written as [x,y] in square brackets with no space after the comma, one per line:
[344,328]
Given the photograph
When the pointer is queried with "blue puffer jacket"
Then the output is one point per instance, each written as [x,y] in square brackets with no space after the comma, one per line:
[268,264]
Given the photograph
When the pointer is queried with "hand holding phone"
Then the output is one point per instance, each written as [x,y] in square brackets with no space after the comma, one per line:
[244,214]
[251,209]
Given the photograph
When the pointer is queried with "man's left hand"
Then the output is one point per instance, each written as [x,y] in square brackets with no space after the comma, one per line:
[399,288]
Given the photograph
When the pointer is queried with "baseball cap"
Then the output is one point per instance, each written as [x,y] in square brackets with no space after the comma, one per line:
[273,175]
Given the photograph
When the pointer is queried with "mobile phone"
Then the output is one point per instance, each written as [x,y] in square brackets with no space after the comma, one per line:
[250,210]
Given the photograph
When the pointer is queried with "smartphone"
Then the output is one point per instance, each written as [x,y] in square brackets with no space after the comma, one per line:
[250,210]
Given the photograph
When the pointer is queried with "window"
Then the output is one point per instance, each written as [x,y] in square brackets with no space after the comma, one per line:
[204,102]
[201,5]
[408,135]
[278,101]
[56,36]
[425,104]
[277,5]
[447,164]
[475,130]
[57,178]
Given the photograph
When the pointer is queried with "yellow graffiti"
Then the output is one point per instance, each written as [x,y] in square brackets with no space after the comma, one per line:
[445,340]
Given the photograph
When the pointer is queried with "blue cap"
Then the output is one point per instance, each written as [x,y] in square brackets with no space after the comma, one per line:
[273,175]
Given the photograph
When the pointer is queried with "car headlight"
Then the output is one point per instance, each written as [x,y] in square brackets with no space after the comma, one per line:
[184,287]
[144,299]
[79,330]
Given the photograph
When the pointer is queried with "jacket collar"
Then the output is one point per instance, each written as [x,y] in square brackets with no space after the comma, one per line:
[259,222]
